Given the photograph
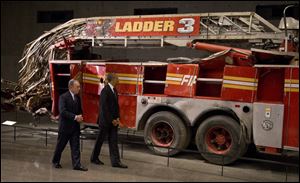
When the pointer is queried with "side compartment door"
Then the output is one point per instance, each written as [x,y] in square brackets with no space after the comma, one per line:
[130,77]
[181,79]
[268,124]
[130,85]
[92,84]
[291,109]
[239,83]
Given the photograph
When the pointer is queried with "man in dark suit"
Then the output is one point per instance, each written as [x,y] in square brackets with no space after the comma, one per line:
[70,115]
[108,120]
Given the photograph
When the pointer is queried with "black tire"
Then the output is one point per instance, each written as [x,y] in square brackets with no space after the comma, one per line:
[231,146]
[177,134]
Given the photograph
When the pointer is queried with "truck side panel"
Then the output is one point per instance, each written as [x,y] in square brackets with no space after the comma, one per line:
[181,80]
[291,109]
[130,84]
[130,77]
[92,82]
[239,84]
[127,110]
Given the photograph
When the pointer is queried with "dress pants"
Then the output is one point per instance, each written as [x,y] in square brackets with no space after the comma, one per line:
[62,141]
[112,134]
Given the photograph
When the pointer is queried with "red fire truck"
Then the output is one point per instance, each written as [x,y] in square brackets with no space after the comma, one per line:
[223,102]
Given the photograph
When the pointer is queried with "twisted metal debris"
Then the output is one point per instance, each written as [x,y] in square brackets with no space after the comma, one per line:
[35,70]
[33,90]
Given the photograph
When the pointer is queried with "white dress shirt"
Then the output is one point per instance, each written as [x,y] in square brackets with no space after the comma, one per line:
[73,100]
[111,87]
[72,95]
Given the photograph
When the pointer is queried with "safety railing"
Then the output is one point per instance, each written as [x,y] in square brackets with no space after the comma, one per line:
[124,141]
[286,165]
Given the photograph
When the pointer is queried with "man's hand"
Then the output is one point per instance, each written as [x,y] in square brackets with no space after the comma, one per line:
[115,122]
[79,118]
[119,123]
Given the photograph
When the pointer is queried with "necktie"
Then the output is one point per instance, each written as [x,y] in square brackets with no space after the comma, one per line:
[115,92]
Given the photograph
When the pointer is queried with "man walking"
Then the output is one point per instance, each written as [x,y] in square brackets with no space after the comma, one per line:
[108,123]
[70,114]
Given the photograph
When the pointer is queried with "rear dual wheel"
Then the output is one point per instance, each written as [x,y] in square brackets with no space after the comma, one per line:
[165,129]
[219,140]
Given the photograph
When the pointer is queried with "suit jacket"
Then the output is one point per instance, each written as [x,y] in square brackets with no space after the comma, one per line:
[109,107]
[68,108]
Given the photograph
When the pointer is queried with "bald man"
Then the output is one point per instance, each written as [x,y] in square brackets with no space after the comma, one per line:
[70,115]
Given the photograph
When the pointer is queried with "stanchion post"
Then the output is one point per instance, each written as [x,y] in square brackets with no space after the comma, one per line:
[46,137]
[81,144]
[286,168]
[15,126]
[122,149]
[222,165]
[15,133]
[168,158]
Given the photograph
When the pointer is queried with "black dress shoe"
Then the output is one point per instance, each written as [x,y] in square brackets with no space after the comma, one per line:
[97,161]
[57,165]
[81,168]
[119,165]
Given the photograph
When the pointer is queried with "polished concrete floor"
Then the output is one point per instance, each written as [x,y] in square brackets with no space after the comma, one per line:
[29,159]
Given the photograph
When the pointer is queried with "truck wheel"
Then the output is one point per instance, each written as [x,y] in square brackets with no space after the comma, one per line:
[220,135]
[165,129]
